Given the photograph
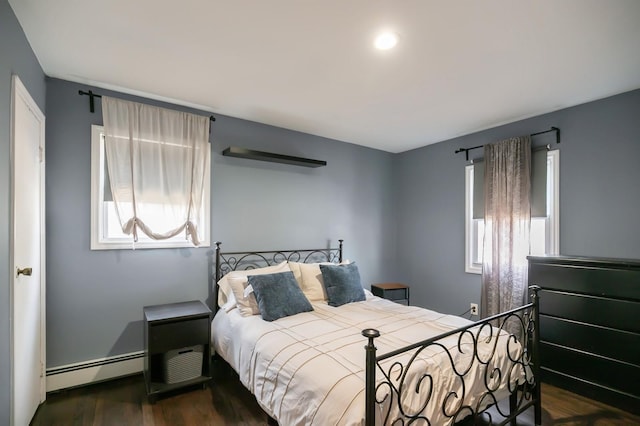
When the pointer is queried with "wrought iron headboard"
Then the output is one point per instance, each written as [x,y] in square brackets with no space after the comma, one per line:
[244,260]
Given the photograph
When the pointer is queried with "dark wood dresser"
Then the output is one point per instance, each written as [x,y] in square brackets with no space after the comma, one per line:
[590,326]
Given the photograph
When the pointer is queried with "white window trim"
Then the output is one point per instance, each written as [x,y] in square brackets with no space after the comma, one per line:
[553,197]
[553,217]
[99,242]
[469,266]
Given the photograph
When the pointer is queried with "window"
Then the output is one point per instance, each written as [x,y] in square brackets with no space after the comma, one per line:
[106,232]
[545,233]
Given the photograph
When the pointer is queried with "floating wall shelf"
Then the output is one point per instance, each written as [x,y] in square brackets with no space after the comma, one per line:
[234,151]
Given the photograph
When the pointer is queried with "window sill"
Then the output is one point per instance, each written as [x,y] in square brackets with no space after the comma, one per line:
[129,245]
[473,269]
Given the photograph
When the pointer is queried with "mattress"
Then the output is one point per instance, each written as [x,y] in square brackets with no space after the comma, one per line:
[308,369]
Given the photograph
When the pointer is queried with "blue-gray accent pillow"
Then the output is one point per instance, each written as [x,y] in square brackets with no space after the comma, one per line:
[342,284]
[278,295]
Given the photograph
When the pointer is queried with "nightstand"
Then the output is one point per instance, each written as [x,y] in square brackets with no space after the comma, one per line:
[396,292]
[177,346]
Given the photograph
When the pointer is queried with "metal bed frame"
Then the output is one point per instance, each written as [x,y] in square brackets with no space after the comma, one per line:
[524,393]
[243,260]
[522,322]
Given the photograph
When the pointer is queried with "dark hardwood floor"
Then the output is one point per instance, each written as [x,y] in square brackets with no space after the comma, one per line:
[227,402]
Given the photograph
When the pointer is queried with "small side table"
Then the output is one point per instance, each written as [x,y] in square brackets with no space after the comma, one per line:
[396,292]
[169,329]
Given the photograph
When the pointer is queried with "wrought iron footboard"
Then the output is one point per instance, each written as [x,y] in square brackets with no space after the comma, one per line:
[478,350]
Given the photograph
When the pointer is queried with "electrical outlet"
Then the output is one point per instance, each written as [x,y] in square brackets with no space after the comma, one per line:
[474,308]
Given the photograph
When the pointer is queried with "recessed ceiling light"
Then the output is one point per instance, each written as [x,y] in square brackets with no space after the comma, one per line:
[386,41]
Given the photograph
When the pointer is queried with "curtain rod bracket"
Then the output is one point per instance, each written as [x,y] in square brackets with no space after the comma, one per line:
[557,129]
[92,96]
[466,152]
[552,129]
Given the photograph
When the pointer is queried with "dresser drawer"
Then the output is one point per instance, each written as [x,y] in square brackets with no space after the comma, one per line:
[178,334]
[396,294]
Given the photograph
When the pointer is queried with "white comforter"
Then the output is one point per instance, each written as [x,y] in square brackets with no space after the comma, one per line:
[308,369]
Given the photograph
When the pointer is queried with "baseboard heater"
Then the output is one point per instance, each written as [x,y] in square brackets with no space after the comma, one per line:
[93,371]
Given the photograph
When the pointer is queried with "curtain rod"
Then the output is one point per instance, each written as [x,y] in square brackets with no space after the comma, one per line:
[92,105]
[552,129]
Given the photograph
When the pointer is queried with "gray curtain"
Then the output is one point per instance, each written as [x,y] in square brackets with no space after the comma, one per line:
[507,183]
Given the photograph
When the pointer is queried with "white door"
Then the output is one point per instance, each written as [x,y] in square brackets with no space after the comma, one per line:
[27,256]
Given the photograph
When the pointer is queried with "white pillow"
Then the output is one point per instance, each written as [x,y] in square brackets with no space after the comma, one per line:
[245,299]
[295,268]
[224,291]
[309,277]
[230,304]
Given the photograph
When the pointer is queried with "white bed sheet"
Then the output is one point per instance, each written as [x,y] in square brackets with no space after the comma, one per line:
[308,369]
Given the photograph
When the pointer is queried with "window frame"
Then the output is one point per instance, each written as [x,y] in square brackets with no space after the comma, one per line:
[552,221]
[99,240]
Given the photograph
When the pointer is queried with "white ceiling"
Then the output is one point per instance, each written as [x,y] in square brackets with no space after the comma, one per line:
[460,66]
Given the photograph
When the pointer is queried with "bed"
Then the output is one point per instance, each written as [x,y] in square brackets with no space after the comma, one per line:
[368,361]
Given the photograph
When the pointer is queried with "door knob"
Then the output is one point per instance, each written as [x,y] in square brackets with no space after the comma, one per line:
[25,271]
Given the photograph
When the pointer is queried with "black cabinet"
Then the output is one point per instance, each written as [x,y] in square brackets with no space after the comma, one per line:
[589,328]
[177,346]
[396,292]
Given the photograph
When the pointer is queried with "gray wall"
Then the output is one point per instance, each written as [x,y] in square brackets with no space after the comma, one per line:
[17,58]
[599,196]
[95,298]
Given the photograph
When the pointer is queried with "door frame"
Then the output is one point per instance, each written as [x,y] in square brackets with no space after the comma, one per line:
[18,89]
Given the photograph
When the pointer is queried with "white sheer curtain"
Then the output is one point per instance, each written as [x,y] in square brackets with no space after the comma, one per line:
[156,159]
[507,188]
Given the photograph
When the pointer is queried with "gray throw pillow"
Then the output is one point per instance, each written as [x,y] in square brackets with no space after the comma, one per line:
[278,295]
[342,284]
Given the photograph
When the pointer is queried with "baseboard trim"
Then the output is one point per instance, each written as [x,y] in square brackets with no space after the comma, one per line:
[97,370]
